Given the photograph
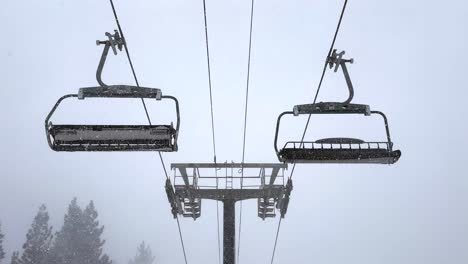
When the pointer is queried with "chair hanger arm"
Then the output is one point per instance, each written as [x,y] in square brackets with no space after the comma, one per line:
[336,60]
[348,81]
[115,41]
[102,62]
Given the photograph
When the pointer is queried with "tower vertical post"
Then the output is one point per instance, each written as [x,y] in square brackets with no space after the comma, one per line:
[229,237]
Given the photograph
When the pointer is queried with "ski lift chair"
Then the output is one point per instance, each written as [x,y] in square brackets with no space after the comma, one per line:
[337,150]
[65,137]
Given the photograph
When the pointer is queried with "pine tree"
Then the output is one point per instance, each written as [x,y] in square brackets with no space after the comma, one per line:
[143,256]
[15,259]
[93,238]
[2,252]
[38,240]
[66,242]
[79,240]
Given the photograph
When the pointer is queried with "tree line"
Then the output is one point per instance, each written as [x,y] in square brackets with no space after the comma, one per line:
[77,242]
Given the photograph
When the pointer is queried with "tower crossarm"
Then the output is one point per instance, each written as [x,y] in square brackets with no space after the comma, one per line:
[274,191]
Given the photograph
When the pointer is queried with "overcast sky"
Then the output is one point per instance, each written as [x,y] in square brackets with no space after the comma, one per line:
[410,63]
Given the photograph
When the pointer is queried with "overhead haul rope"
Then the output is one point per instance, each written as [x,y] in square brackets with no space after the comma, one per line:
[245,125]
[212,123]
[146,112]
[308,119]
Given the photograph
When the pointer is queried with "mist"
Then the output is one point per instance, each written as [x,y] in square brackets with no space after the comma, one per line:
[409,63]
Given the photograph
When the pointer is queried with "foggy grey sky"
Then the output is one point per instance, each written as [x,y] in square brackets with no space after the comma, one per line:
[410,63]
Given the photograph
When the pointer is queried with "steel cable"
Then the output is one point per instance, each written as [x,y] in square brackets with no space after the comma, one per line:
[212,120]
[315,100]
[146,110]
[245,124]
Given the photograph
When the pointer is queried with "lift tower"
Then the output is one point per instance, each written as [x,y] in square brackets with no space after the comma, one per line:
[230,183]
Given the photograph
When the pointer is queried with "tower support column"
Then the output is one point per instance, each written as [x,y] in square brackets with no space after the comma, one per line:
[229,237]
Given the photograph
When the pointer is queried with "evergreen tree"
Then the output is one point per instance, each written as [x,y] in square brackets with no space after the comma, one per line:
[2,252]
[143,256]
[79,241]
[66,241]
[38,239]
[93,237]
[15,259]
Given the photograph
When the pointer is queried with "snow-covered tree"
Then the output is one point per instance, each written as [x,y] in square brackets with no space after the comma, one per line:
[2,252]
[38,239]
[143,256]
[79,240]
[15,259]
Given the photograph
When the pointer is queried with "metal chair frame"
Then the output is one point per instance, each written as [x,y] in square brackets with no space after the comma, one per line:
[114,91]
[358,151]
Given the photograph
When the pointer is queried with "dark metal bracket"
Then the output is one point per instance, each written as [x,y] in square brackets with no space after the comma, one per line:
[283,205]
[336,60]
[115,41]
[176,207]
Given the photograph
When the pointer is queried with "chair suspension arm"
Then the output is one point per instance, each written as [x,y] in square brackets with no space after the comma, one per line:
[348,82]
[102,61]
[336,60]
[115,42]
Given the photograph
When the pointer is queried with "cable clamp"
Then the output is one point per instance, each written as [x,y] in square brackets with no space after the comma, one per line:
[336,59]
[115,41]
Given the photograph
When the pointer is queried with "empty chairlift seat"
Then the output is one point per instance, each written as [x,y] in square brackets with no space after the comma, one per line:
[66,137]
[336,150]
[85,137]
